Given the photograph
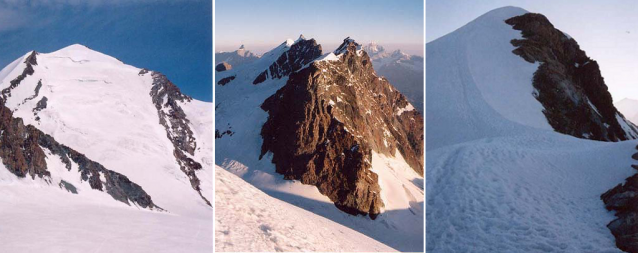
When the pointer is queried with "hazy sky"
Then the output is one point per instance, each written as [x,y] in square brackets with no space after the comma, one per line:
[606,30]
[173,37]
[262,25]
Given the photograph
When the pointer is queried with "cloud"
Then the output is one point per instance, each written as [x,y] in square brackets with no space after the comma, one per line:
[12,19]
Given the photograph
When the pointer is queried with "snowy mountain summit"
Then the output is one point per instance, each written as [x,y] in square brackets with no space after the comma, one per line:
[77,122]
[335,131]
[525,71]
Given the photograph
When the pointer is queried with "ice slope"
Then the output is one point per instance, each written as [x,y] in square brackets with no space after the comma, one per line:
[629,108]
[101,107]
[238,109]
[474,81]
[247,219]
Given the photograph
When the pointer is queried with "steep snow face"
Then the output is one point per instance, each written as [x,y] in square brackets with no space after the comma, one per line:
[102,108]
[239,120]
[629,108]
[247,219]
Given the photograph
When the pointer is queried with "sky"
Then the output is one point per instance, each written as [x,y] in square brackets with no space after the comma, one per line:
[172,37]
[606,30]
[262,25]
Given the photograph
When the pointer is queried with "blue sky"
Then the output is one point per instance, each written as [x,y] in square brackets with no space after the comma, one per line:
[261,25]
[173,37]
[606,30]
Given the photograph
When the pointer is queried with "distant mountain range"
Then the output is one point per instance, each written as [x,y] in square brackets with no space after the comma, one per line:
[405,72]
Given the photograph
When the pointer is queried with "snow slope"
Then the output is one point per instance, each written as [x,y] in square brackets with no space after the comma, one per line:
[102,108]
[238,109]
[629,108]
[36,217]
[534,193]
[499,179]
[247,219]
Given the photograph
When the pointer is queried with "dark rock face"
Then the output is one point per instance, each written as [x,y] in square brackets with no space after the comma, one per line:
[567,82]
[223,67]
[21,151]
[41,105]
[68,186]
[299,54]
[37,92]
[165,97]
[325,122]
[226,80]
[19,148]
[623,199]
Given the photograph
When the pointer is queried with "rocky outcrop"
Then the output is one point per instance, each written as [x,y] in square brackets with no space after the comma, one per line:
[223,67]
[226,80]
[324,124]
[622,199]
[166,97]
[41,105]
[300,53]
[22,150]
[568,83]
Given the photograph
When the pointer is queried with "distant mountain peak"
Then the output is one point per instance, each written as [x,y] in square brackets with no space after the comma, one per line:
[347,45]
[242,47]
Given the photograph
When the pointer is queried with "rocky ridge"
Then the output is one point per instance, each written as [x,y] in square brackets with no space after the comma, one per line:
[166,98]
[622,199]
[568,83]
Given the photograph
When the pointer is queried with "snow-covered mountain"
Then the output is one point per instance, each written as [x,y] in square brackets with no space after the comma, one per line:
[325,133]
[511,104]
[629,108]
[404,71]
[97,127]
[236,58]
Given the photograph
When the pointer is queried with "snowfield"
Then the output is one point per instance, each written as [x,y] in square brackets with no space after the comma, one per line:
[37,217]
[498,178]
[534,193]
[247,219]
